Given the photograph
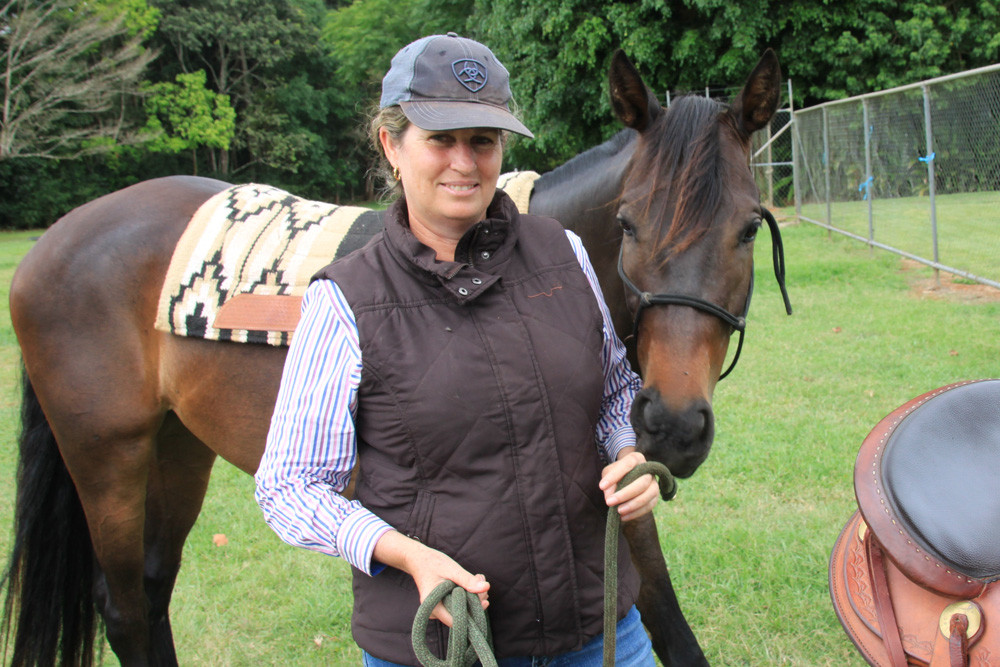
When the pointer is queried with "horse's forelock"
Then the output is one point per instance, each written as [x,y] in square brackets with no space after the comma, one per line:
[683,157]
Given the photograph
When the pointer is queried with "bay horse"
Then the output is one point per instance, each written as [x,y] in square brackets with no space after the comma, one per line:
[121,423]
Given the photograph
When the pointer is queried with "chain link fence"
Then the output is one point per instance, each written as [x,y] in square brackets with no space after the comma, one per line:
[914,170]
[771,159]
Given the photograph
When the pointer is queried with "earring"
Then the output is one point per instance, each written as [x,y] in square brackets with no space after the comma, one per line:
[395,173]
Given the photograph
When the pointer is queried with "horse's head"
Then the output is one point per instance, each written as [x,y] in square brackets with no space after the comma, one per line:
[689,211]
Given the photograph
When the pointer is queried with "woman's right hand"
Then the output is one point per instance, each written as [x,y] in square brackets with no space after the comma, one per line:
[429,567]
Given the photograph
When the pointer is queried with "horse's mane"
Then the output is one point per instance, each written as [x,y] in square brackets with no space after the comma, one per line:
[684,158]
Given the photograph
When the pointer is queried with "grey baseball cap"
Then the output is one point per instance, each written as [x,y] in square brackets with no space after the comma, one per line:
[447,82]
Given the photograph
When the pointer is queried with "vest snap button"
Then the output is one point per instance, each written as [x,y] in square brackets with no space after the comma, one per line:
[463,291]
[486,254]
[477,281]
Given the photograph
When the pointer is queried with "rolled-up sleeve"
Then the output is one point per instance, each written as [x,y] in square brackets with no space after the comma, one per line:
[311,445]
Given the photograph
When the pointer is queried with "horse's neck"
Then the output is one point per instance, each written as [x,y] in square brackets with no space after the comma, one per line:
[579,192]
[583,194]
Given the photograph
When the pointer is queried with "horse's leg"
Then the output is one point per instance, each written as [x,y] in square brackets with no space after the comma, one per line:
[98,387]
[176,488]
[673,640]
[112,488]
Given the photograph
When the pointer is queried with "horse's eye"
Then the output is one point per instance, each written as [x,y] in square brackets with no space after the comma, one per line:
[750,233]
[626,225]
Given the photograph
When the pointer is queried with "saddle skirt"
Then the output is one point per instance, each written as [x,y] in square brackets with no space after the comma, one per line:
[912,574]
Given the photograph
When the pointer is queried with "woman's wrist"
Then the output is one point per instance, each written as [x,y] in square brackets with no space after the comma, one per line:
[396,550]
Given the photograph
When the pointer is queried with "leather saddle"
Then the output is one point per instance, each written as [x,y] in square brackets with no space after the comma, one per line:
[913,573]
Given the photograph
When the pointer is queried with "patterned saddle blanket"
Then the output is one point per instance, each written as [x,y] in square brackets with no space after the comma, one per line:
[241,267]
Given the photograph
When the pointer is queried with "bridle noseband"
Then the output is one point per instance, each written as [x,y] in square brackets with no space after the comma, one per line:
[738,323]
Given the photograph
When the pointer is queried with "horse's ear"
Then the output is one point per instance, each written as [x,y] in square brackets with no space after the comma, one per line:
[757,102]
[632,101]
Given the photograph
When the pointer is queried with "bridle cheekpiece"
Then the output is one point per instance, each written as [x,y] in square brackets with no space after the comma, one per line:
[737,322]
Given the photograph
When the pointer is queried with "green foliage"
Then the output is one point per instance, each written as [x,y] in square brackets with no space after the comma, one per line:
[363,36]
[558,52]
[360,39]
[848,48]
[250,49]
[300,75]
[140,19]
[185,115]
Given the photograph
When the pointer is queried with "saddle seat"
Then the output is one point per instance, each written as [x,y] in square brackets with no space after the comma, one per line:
[912,574]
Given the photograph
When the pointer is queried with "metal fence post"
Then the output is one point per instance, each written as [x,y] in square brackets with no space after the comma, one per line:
[769,170]
[931,185]
[826,170]
[796,192]
[869,179]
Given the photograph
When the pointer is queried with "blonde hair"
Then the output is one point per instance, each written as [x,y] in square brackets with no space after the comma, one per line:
[395,122]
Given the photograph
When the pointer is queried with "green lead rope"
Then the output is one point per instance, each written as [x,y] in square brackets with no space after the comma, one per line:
[469,639]
[668,489]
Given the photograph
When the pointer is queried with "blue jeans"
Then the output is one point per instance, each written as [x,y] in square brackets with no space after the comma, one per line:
[632,650]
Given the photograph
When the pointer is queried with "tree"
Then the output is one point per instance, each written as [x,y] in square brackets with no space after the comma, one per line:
[361,38]
[242,45]
[558,52]
[186,115]
[68,67]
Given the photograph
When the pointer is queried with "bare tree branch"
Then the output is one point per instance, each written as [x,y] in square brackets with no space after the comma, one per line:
[66,70]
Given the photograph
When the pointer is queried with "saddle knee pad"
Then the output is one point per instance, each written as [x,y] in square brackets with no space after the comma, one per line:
[912,573]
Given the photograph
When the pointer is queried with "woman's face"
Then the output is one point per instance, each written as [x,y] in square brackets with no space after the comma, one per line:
[448,176]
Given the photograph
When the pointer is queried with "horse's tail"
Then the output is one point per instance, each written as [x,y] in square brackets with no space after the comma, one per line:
[50,600]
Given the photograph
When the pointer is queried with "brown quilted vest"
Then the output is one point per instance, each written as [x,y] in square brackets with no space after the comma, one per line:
[480,391]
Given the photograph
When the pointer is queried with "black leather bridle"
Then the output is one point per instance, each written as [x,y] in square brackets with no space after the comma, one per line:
[738,323]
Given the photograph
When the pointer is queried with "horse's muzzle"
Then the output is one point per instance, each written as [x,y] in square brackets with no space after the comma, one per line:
[679,439]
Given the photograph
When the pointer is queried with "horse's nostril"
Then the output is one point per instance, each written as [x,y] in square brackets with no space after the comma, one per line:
[698,421]
[688,426]
[639,406]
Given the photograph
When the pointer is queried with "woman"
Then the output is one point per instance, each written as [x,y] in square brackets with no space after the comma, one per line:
[466,360]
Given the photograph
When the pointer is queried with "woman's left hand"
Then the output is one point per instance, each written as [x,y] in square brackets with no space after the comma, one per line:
[638,498]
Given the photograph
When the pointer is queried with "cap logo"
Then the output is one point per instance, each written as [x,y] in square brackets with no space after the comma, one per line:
[470,73]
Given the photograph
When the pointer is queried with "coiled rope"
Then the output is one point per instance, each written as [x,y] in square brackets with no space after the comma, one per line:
[469,639]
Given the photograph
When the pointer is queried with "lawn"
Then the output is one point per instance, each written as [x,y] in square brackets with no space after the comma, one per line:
[747,538]
[967,237]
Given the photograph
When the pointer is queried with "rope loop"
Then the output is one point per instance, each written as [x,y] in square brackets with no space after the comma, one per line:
[469,639]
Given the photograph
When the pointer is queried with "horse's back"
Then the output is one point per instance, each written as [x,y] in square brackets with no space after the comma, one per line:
[108,249]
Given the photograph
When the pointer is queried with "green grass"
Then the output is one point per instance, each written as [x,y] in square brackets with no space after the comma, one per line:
[748,537]
[966,224]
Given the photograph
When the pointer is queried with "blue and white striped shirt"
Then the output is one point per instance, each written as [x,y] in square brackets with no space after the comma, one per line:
[312,448]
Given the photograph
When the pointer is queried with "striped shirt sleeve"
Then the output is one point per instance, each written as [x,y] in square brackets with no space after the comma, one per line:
[311,445]
[614,428]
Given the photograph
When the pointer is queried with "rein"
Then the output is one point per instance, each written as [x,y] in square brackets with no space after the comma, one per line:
[469,639]
[737,322]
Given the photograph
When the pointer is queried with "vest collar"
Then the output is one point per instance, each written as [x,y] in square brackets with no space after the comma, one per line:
[480,255]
